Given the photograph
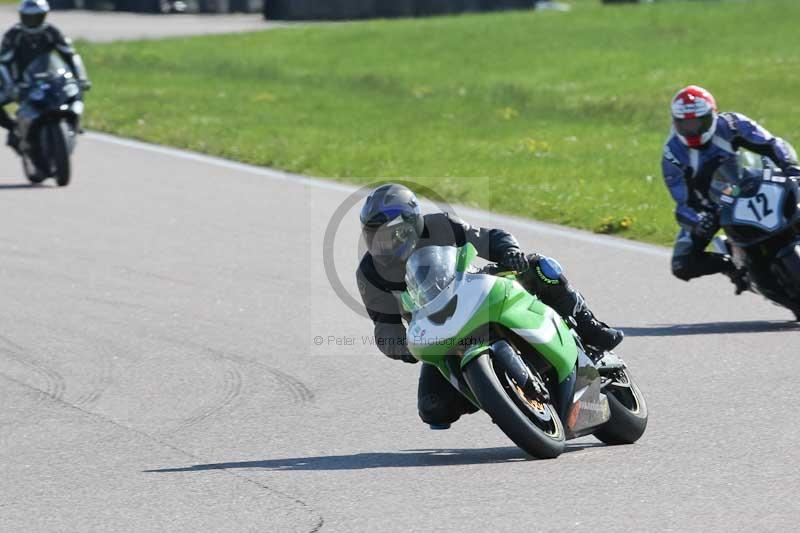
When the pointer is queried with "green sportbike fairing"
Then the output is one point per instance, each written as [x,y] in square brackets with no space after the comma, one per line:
[514,357]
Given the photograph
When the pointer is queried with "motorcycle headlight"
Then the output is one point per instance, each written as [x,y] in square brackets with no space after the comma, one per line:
[71,90]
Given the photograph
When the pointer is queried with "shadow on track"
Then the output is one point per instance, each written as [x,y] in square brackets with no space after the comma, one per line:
[711,328]
[361,461]
[13,186]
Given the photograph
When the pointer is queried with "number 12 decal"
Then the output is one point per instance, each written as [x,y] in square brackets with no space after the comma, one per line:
[762,210]
[762,201]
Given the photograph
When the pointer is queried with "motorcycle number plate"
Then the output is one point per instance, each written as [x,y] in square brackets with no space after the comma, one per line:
[762,210]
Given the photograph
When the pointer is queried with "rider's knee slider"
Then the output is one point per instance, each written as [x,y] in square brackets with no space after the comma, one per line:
[549,270]
[681,269]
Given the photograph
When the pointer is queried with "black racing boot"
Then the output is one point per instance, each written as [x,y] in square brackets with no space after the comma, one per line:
[740,279]
[596,333]
[13,140]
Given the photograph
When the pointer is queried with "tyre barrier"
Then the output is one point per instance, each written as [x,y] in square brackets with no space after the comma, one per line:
[163,6]
[302,9]
[358,9]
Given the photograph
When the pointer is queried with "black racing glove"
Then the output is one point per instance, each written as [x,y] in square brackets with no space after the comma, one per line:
[706,227]
[792,171]
[515,260]
[399,353]
[392,341]
[406,358]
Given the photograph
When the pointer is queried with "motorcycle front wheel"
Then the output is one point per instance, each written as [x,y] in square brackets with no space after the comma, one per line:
[531,423]
[31,172]
[58,157]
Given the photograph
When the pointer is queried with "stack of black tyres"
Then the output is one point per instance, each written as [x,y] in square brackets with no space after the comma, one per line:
[214,6]
[310,9]
[356,9]
[63,4]
[162,6]
[246,6]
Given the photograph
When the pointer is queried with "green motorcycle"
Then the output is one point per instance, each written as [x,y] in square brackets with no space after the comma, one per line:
[514,357]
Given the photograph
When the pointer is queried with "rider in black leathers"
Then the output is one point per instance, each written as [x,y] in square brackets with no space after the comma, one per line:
[393,227]
[23,43]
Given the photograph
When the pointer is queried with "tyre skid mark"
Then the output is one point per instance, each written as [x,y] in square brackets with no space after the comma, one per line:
[231,391]
[232,381]
[296,389]
[232,388]
[106,350]
[300,392]
[146,274]
[318,519]
[55,384]
[113,303]
[102,380]
[232,377]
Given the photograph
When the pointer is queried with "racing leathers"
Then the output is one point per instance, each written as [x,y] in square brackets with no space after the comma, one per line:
[19,48]
[380,287]
[688,173]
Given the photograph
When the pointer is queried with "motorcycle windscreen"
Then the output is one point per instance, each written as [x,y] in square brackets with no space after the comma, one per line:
[737,176]
[49,65]
[429,271]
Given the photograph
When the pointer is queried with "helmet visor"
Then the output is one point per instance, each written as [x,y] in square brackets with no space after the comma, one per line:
[694,127]
[394,240]
[32,20]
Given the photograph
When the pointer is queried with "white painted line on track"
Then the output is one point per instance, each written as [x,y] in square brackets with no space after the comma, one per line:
[277,175]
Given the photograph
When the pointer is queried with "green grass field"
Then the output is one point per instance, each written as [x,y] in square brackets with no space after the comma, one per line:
[554,116]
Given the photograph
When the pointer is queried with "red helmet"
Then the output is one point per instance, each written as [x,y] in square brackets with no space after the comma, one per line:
[694,115]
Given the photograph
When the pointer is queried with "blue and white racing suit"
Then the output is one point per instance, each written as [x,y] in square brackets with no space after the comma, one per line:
[688,173]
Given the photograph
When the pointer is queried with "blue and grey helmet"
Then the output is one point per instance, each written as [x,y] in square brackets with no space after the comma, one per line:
[32,14]
[392,223]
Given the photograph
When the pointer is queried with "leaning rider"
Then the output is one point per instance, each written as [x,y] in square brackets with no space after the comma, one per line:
[700,140]
[393,227]
[24,42]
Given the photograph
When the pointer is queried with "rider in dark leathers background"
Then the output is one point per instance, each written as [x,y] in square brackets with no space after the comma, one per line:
[393,227]
[23,43]
[700,140]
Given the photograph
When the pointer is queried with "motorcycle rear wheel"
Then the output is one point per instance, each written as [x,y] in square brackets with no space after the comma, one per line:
[537,436]
[628,412]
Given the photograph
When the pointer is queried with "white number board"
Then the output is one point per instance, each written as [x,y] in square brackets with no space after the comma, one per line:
[762,210]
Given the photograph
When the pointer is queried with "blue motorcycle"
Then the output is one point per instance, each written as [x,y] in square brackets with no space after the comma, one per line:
[759,212]
[48,118]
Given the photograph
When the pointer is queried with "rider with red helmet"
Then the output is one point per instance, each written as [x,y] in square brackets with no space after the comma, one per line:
[700,139]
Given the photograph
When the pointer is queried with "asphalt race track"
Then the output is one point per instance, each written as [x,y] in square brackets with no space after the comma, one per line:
[159,371]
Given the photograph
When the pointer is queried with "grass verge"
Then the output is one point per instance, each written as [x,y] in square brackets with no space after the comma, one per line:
[554,116]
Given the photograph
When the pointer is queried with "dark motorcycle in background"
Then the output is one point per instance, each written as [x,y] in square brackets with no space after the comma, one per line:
[759,212]
[48,118]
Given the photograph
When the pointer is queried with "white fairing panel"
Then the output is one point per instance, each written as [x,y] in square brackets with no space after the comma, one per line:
[471,290]
[544,334]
